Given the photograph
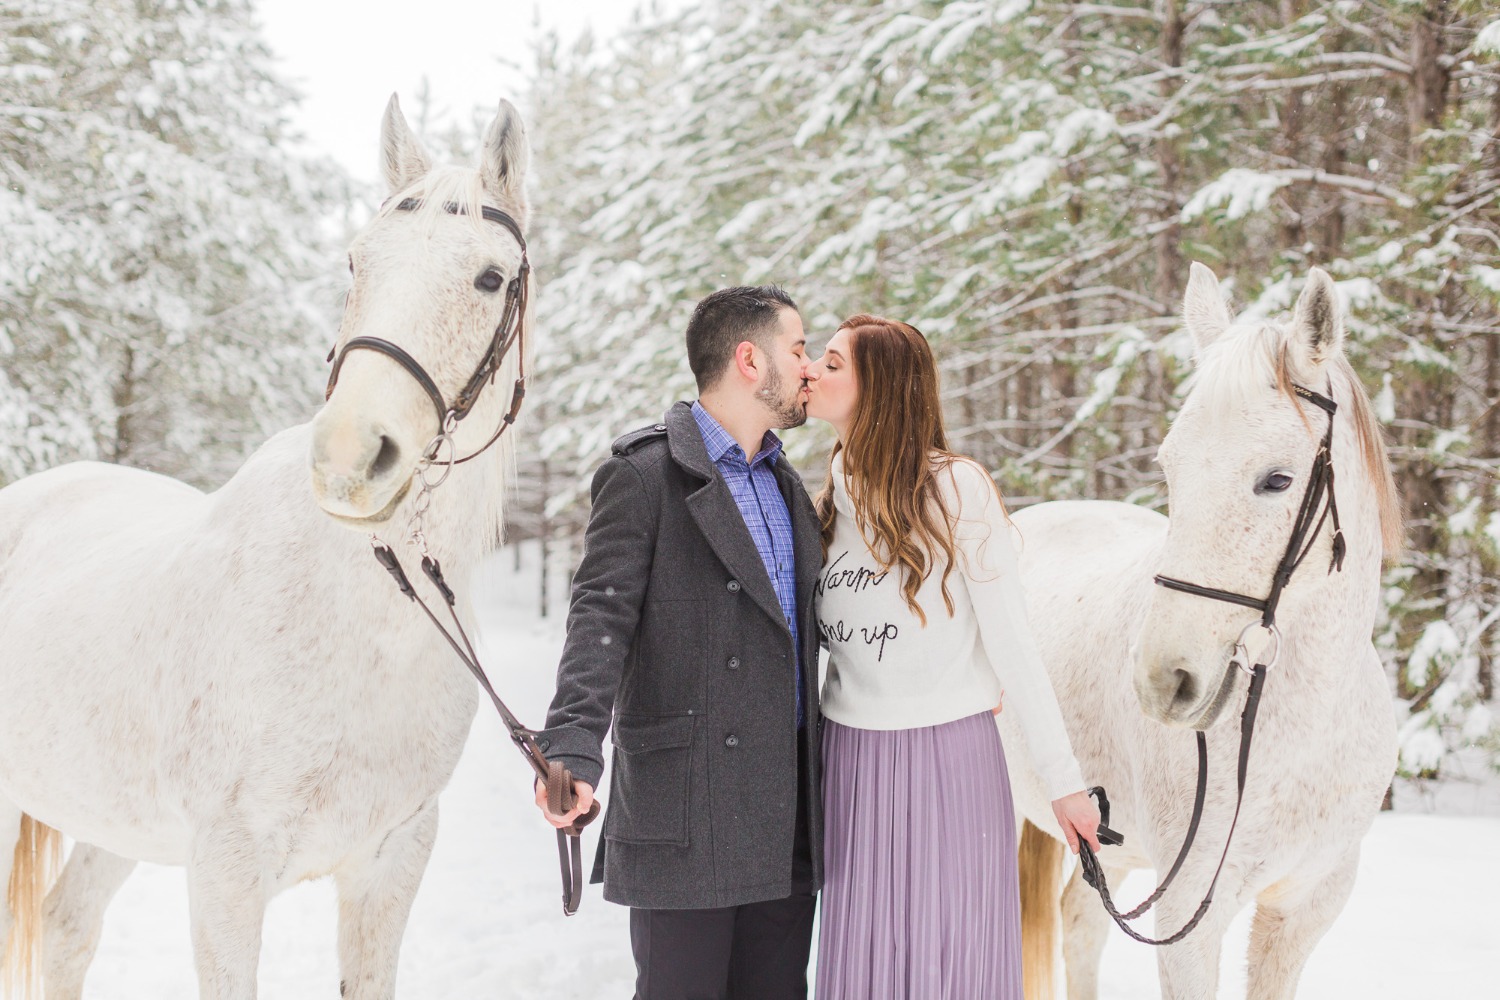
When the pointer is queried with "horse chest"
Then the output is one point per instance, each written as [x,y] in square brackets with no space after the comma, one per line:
[1318,770]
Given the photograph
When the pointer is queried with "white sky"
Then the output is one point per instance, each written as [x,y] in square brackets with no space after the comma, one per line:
[347,58]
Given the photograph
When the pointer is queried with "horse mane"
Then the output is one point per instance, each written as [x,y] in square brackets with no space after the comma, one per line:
[1230,369]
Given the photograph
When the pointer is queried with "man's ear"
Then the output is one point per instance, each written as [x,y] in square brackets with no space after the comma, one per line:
[747,360]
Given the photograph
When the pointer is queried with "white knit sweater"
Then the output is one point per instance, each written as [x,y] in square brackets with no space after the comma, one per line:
[887,671]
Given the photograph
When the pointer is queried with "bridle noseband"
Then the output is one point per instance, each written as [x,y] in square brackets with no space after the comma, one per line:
[516,296]
[1304,533]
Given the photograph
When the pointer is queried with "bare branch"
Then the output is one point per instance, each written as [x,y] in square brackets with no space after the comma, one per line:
[1322,178]
[1316,79]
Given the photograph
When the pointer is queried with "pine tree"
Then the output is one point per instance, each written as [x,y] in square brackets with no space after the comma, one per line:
[164,284]
[1027,182]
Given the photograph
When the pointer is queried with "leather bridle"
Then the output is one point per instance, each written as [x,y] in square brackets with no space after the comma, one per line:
[1304,529]
[505,337]
[510,332]
[1305,532]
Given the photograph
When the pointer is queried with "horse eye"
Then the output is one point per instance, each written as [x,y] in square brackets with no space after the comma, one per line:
[1276,482]
[351,264]
[490,280]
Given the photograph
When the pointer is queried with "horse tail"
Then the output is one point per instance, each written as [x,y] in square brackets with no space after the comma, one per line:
[37,860]
[1040,860]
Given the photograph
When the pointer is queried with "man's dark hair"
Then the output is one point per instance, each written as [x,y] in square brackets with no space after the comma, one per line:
[725,319]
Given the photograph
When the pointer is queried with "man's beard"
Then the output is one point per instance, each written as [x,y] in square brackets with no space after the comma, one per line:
[787,411]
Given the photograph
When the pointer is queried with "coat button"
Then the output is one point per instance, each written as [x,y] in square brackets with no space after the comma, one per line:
[734,663]
[659,427]
[544,745]
[731,741]
[734,586]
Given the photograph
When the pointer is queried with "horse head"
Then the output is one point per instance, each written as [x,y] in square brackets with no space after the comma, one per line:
[1237,461]
[432,276]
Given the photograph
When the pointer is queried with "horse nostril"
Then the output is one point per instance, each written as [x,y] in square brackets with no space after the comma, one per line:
[386,458]
[1187,690]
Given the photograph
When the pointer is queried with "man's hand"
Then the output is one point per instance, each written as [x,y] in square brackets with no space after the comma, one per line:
[582,789]
[1078,817]
[1001,706]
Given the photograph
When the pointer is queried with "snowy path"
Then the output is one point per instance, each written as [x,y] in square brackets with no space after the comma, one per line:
[488,921]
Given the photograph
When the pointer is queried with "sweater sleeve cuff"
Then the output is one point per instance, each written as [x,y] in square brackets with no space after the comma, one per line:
[1065,779]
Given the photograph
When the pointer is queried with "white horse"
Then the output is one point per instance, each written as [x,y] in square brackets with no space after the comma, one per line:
[1135,665]
[229,681]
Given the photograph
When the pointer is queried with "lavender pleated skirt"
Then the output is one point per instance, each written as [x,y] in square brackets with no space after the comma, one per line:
[920,900]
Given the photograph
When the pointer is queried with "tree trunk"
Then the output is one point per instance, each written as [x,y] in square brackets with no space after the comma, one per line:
[1169,269]
[1427,99]
[1333,160]
[1288,145]
[124,400]
[544,530]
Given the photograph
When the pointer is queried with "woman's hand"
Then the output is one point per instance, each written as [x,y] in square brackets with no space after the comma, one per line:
[1078,817]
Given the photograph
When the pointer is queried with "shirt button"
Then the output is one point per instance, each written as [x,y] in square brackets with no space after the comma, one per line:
[731,741]
[734,663]
[734,586]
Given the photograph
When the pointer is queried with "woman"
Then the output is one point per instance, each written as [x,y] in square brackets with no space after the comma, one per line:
[921,609]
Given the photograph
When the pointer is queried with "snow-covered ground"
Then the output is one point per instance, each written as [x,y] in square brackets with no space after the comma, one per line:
[488,920]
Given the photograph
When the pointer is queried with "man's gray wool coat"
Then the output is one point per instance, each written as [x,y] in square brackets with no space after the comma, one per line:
[676,642]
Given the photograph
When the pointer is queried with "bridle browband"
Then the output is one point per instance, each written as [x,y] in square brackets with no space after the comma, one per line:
[1304,533]
[517,293]
[511,332]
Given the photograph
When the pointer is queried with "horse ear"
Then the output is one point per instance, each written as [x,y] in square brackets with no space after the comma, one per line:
[403,161]
[1317,324]
[507,153]
[1203,308]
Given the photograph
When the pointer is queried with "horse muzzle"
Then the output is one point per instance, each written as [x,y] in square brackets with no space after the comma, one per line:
[1178,692]
[360,474]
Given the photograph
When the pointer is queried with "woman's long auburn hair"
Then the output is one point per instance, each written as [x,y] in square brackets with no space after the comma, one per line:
[896,444]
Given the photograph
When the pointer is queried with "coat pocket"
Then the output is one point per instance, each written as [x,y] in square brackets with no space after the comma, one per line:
[648,797]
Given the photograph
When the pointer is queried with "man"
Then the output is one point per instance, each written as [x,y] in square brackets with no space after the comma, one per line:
[691,630]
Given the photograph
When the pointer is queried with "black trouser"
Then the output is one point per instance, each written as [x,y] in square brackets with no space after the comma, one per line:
[758,951]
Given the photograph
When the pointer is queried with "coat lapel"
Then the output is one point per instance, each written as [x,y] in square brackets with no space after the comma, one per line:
[717,515]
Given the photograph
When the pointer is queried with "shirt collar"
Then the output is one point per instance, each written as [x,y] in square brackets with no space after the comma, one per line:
[720,442]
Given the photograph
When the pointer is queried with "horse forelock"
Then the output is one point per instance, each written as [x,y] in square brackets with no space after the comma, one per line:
[1233,372]
[446,186]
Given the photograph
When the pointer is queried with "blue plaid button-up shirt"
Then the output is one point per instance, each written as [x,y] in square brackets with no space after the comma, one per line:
[753,485]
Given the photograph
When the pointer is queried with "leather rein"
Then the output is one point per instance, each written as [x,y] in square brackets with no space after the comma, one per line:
[509,333]
[1305,530]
